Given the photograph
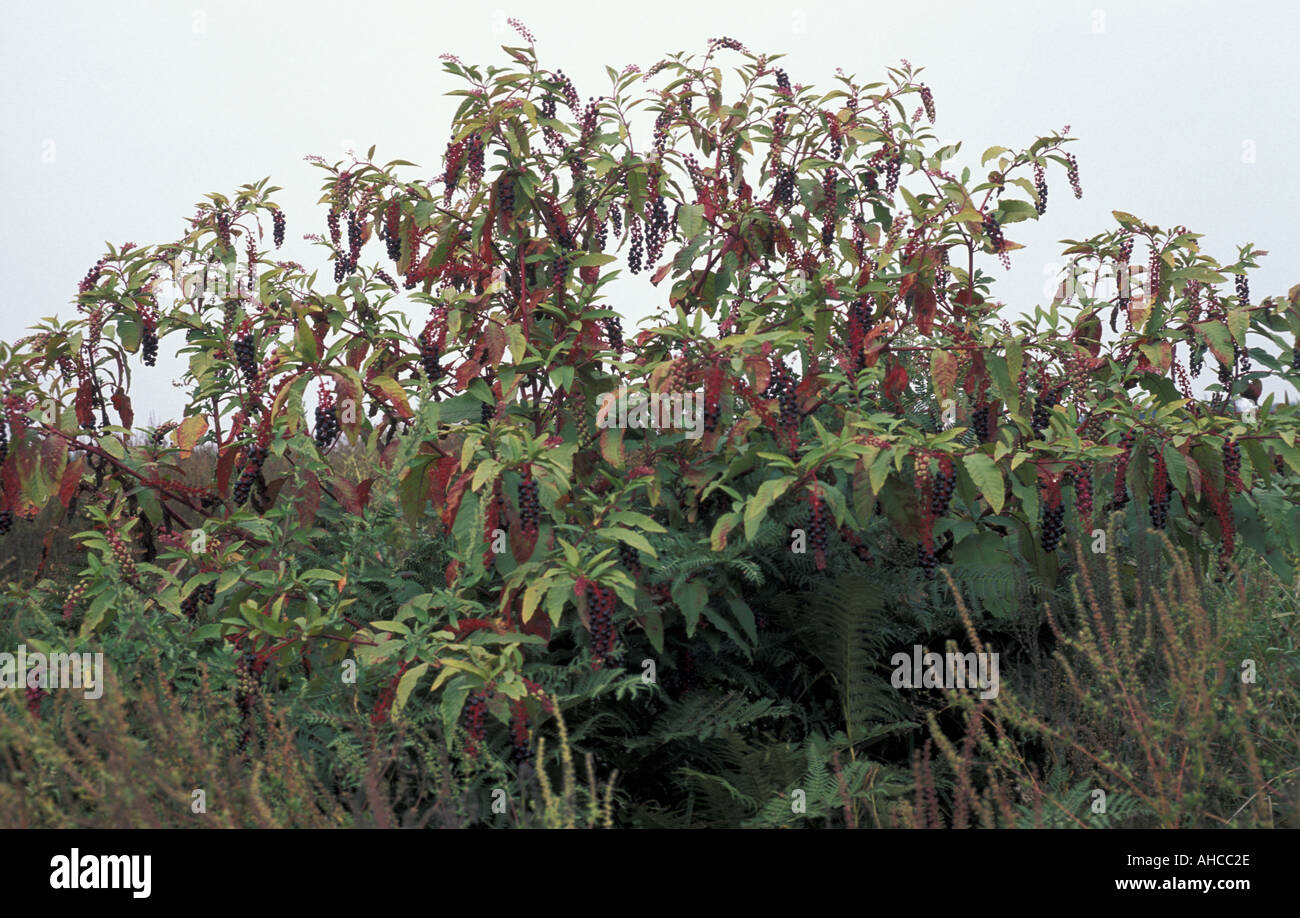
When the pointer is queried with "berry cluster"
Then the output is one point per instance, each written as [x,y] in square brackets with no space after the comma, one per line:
[1082,475]
[392,230]
[277,227]
[892,170]
[529,508]
[1232,466]
[257,455]
[712,399]
[149,335]
[783,193]
[1072,172]
[1153,276]
[486,412]
[327,421]
[656,228]
[944,483]
[616,221]
[244,355]
[474,159]
[1243,289]
[74,597]
[614,332]
[332,221]
[630,558]
[205,595]
[519,730]
[1040,185]
[475,726]
[123,554]
[993,230]
[1120,496]
[1043,411]
[454,163]
[634,253]
[601,602]
[783,83]
[92,276]
[829,193]
[927,99]
[1161,492]
[223,229]
[1053,513]
[1295,357]
[928,561]
[982,422]
[1125,249]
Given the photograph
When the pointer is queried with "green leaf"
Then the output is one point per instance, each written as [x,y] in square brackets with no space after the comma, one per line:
[405,685]
[691,597]
[758,505]
[987,477]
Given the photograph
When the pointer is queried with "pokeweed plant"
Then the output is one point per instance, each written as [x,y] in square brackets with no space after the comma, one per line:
[820,267]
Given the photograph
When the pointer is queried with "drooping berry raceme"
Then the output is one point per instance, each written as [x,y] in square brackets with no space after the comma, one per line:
[1125,250]
[1120,496]
[1082,475]
[942,487]
[529,508]
[630,558]
[993,230]
[614,332]
[149,333]
[818,527]
[829,204]
[257,456]
[1052,511]
[713,380]
[475,723]
[601,603]
[1243,289]
[1232,467]
[927,99]
[519,730]
[634,253]
[1219,501]
[474,164]
[327,421]
[1072,171]
[925,554]
[245,354]
[1161,492]
[277,227]
[1047,399]
[1153,275]
[1040,186]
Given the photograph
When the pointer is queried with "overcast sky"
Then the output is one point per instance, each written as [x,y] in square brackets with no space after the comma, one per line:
[116,118]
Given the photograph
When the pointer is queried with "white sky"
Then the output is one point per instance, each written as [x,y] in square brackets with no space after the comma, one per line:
[116,118]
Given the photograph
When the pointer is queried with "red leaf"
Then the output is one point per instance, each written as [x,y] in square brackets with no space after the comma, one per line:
[923,308]
[71,479]
[309,504]
[589,273]
[454,496]
[85,405]
[895,382]
[661,273]
[122,402]
[225,466]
